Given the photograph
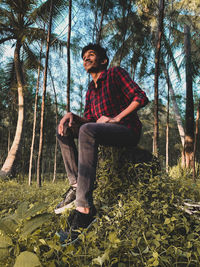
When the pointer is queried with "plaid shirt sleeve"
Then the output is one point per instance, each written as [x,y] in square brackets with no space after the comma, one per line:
[87,110]
[129,88]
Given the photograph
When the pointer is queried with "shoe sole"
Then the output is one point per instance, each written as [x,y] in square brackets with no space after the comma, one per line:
[64,208]
[78,237]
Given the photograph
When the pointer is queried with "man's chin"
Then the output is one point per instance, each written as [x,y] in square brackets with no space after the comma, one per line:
[93,70]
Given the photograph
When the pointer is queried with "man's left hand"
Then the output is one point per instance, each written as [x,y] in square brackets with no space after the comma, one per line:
[105,119]
[114,120]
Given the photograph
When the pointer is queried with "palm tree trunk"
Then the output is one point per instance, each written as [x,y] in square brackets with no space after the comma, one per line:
[8,165]
[157,71]
[39,161]
[34,119]
[189,116]
[68,56]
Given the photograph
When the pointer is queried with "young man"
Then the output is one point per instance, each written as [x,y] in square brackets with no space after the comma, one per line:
[110,118]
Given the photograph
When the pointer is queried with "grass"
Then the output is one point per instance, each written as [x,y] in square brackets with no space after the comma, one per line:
[138,223]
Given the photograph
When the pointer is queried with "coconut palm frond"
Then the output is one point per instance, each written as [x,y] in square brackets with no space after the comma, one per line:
[30,58]
[11,81]
[42,12]
[57,44]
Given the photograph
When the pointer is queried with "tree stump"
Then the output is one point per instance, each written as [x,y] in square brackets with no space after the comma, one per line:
[132,163]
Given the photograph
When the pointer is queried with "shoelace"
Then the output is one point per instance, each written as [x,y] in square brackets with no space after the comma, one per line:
[65,194]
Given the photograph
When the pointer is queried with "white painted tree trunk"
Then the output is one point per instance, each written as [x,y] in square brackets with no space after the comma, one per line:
[9,162]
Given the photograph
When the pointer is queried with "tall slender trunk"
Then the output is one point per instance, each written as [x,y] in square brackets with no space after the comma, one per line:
[68,56]
[56,110]
[8,139]
[101,22]
[167,126]
[34,118]
[175,107]
[125,17]
[157,71]
[189,116]
[95,31]
[195,139]
[8,165]
[39,161]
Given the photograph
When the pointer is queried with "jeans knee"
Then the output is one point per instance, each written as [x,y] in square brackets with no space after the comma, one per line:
[86,129]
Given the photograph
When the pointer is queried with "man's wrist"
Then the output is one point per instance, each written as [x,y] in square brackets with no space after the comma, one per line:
[118,118]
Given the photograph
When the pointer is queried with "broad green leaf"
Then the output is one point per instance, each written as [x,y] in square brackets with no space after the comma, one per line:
[5,242]
[35,209]
[27,259]
[173,219]
[101,259]
[8,226]
[146,250]
[167,221]
[155,254]
[113,238]
[4,253]
[21,210]
[155,263]
[34,223]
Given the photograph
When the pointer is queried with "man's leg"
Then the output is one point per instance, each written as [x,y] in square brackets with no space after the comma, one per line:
[69,154]
[70,158]
[90,136]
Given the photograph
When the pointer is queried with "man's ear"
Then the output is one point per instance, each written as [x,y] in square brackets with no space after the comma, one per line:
[104,61]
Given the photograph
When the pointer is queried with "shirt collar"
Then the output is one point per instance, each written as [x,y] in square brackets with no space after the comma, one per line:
[101,77]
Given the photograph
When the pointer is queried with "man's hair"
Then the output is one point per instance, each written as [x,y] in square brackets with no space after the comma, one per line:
[101,52]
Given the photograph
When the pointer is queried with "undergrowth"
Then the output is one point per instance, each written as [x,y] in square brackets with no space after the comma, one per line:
[139,223]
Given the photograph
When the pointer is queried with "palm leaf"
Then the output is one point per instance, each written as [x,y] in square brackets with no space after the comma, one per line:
[35,209]
[5,241]
[28,259]
[31,59]
[31,225]
[8,225]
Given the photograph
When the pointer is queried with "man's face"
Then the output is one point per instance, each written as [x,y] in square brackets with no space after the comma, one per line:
[91,61]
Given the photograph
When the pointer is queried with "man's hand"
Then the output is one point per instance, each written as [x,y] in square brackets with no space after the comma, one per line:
[68,117]
[114,120]
[104,119]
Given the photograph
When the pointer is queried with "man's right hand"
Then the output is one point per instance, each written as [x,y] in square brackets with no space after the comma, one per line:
[68,117]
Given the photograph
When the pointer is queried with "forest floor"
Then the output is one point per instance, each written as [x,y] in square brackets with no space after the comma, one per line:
[143,223]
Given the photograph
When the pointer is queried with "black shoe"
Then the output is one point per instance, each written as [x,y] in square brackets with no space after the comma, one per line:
[68,201]
[76,221]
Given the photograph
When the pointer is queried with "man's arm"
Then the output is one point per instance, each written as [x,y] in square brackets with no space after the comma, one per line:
[70,118]
[133,106]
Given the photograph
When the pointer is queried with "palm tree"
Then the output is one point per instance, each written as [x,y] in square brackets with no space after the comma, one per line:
[19,21]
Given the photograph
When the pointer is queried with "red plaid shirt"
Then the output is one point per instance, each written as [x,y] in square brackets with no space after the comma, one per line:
[115,91]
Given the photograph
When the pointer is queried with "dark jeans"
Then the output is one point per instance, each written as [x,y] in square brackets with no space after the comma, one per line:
[81,165]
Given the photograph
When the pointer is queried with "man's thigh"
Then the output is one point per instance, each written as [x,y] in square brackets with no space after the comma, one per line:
[111,134]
